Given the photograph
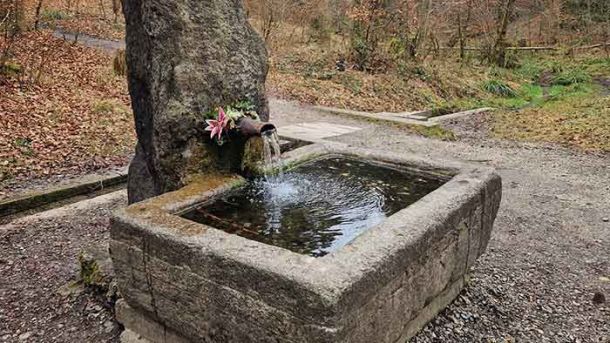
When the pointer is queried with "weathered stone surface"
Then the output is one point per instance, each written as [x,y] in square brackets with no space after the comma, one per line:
[384,286]
[96,266]
[148,329]
[186,57]
[97,272]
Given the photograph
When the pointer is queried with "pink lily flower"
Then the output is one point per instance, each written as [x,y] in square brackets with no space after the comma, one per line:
[219,125]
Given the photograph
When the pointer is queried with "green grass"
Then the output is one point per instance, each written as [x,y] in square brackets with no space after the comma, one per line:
[23,142]
[580,117]
[530,70]
[4,174]
[54,14]
[25,146]
[571,76]
[11,69]
[565,71]
[570,111]
[436,132]
[352,83]
[499,88]
[527,95]
[105,106]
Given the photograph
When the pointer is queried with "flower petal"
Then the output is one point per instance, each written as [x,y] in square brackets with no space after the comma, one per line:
[215,131]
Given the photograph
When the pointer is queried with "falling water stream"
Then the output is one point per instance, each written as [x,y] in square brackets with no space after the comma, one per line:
[271,153]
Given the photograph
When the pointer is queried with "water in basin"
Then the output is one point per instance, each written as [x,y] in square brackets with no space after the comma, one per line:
[317,207]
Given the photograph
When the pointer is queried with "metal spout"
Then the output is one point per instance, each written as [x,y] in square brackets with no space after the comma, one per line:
[249,127]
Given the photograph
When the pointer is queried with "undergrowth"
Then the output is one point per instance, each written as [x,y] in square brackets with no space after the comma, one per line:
[558,101]
[540,83]
[499,88]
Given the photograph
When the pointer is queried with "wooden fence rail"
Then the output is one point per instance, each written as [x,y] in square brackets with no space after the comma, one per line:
[530,48]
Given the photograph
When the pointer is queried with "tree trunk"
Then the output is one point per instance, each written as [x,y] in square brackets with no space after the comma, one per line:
[116,9]
[102,10]
[460,36]
[499,48]
[37,20]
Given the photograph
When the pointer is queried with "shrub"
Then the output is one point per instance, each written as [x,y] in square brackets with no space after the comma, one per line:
[12,17]
[570,77]
[11,25]
[119,64]
[11,69]
[54,14]
[499,88]
[319,29]
[369,21]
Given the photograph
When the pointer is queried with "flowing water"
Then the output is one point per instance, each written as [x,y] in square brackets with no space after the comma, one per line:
[271,152]
[317,207]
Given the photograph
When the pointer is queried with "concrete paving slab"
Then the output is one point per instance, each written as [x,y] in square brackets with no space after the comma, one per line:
[315,131]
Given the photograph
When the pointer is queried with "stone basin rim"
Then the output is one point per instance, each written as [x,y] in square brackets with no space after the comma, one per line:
[333,277]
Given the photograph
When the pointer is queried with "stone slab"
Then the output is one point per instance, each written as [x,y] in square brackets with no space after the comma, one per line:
[141,329]
[423,118]
[128,336]
[315,131]
[393,118]
[80,186]
[460,114]
[207,285]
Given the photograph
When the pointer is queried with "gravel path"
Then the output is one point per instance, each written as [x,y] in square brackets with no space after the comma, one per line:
[542,280]
[549,255]
[39,300]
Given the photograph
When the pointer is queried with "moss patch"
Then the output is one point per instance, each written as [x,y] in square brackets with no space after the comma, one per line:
[578,119]
[436,132]
[90,272]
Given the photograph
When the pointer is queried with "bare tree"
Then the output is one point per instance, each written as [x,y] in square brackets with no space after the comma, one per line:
[117,7]
[499,47]
[102,9]
[37,15]
[11,24]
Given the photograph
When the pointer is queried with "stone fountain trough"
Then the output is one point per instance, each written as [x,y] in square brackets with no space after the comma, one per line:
[188,282]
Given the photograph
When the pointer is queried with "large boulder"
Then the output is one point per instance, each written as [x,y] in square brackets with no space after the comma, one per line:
[185,58]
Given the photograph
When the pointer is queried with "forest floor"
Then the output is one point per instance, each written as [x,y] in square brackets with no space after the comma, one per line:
[542,279]
[64,112]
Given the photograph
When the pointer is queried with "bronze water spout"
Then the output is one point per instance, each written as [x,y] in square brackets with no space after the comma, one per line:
[249,127]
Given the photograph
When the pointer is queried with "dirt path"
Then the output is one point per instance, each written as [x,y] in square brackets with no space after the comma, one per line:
[108,45]
[549,254]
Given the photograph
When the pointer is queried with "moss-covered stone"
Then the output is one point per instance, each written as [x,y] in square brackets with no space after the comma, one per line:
[253,156]
[90,272]
[97,274]
[95,266]
[183,60]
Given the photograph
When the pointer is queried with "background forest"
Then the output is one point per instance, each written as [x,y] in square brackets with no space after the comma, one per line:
[544,64]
